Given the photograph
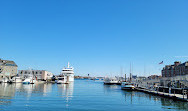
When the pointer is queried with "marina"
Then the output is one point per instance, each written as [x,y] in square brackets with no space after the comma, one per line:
[81,95]
[93,55]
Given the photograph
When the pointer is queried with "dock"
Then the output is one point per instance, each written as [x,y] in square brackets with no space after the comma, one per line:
[164,94]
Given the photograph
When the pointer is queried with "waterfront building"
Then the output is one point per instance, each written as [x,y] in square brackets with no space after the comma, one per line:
[134,76]
[141,78]
[175,75]
[39,74]
[68,73]
[177,69]
[154,77]
[7,68]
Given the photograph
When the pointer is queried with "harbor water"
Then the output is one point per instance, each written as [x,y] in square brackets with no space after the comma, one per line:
[82,95]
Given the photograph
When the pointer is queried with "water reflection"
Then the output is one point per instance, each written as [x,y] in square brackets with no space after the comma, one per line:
[134,96]
[66,91]
[129,96]
[7,92]
[109,88]
[28,90]
[177,104]
[87,95]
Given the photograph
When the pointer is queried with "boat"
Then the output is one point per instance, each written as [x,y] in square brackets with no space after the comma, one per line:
[68,73]
[99,79]
[5,80]
[127,86]
[110,81]
[61,80]
[27,81]
[33,81]
[30,80]
[17,80]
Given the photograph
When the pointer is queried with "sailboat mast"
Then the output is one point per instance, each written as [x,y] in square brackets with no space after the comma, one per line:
[130,73]
[68,65]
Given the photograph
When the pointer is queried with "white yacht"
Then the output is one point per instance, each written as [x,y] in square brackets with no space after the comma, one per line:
[68,73]
[109,81]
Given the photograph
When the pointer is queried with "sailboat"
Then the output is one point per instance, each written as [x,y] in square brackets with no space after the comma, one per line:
[128,85]
[30,80]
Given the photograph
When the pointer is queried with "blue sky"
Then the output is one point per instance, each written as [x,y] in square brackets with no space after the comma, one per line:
[98,37]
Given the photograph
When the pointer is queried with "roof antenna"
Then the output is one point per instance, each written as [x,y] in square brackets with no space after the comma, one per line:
[68,64]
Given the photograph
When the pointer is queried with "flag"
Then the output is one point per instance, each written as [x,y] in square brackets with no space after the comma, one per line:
[161,62]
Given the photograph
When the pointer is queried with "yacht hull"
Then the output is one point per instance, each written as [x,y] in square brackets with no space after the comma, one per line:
[127,88]
[112,83]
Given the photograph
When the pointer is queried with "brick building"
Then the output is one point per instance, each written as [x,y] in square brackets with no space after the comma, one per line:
[177,69]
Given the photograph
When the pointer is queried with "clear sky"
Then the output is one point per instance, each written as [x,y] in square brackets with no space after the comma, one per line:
[98,37]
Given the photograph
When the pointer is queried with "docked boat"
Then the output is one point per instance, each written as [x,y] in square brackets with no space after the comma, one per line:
[61,80]
[110,81]
[99,79]
[27,81]
[127,86]
[5,80]
[33,81]
[17,80]
[68,73]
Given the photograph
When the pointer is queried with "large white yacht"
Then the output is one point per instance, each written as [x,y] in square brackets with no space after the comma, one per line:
[68,73]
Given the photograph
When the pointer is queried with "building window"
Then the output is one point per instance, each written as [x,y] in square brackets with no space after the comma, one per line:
[40,72]
[36,72]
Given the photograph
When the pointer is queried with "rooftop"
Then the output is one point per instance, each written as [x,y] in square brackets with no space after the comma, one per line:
[7,63]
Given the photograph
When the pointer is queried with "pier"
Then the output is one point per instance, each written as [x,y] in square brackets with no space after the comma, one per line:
[181,97]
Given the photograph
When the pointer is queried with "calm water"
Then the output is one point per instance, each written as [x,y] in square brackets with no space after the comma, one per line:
[79,96]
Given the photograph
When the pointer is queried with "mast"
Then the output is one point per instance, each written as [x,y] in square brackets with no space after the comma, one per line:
[68,65]
[125,78]
[121,71]
[130,73]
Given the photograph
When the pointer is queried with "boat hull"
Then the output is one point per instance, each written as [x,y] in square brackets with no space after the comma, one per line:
[127,88]
[26,82]
[112,83]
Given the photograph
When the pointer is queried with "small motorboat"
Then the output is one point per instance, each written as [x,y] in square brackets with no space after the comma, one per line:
[30,80]
[127,86]
[61,80]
